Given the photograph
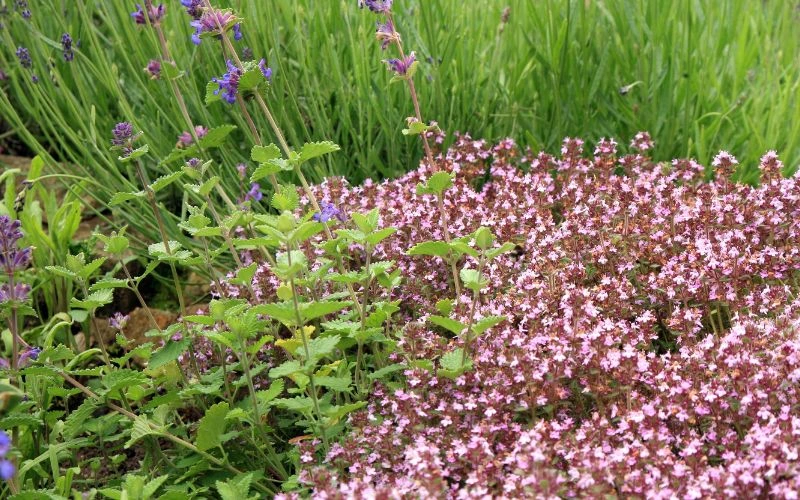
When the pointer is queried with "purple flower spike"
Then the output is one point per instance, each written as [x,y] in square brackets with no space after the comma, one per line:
[328,212]
[6,470]
[229,83]
[401,66]
[193,7]
[123,132]
[255,193]
[378,6]
[24,57]
[118,321]
[215,22]
[265,70]
[153,69]
[5,443]
[154,14]
[237,31]
[31,353]
[18,293]
[386,34]
[66,47]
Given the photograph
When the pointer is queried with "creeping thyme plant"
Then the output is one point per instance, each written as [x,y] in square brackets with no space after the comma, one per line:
[494,323]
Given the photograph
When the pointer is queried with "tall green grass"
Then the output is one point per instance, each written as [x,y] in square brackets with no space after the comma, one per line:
[703,76]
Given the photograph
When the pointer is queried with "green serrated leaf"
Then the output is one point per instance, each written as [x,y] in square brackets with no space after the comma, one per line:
[165,180]
[316,149]
[449,324]
[170,352]
[262,154]
[120,198]
[211,427]
[436,248]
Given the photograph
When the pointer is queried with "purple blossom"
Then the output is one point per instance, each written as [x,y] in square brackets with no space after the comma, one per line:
[31,353]
[401,66]
[265,70]
[386,34]
[66,47]
[12,258]
[118,321]
[378,6]
[24,57]
[18,293]
[255,193]
[153,68]
[328,212]
[186,139]
[237,32]
[193,7]
[228,83]
[123,134]
[215,22]
[242,169]
[194,162]
[153,15]
[34,79]
[6,470]
[5,443]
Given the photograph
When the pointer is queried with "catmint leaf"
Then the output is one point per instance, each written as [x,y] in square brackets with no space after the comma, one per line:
[305,231]
[338,384]
[165,180]
[334,413]
[216,136]
[462,248]
[445,307]
[119,379]
[153,485]
[322,346]
[211,427]
[170,352]
[275,390]
[450,364]
[484,324]
[141,428]
[286,199]
[504,248]
[436,248]
[380,235]
[62,271]
[484,238]
[473,279]
[415,128]
[94,300]
[135,154]
[237,488]
[314,310]
[170,71]
[262,154]
[439,182]
[108,283]
[386,370]
[244,276]
[120,198]
[449,324]
[211,97]
[316,149]
[265,170]
[206,187]
[283,312]
[285,369]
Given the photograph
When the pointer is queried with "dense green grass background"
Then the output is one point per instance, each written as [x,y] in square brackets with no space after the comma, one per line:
[704,76]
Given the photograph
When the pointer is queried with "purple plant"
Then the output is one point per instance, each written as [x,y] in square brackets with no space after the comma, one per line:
[24,57]
[118,321]
[193,7]
[123,134]
[153,14]
[66,47]
[186,139]
[215,22]
[329,211]
[254,194]
[153,69]
[229,83]
[401,66]
[7,469]
[377,6]
[265,70]
[12,258]
[386,34]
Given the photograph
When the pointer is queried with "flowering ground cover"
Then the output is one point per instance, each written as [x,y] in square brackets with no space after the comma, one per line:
[201,314]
